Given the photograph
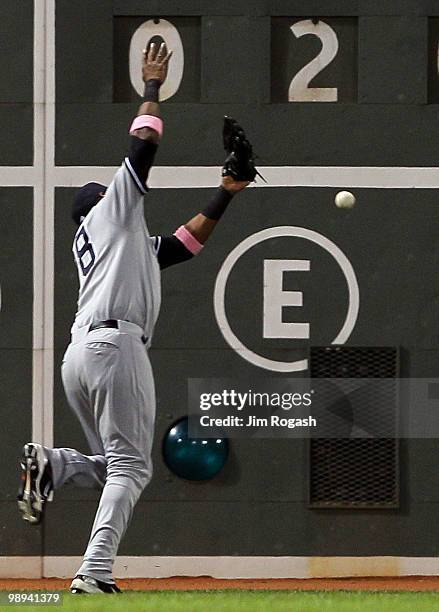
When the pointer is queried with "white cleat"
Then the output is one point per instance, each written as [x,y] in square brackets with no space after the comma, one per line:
[36,486]
[87,584]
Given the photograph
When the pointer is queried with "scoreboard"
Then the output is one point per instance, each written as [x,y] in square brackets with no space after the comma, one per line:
[329,91]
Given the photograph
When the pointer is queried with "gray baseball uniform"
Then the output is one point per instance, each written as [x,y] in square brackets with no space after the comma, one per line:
[106,372]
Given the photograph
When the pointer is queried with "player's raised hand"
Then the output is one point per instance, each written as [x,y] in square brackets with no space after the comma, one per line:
[229,184]
[155,62]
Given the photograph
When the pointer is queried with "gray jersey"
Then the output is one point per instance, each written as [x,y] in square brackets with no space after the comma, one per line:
[117,264]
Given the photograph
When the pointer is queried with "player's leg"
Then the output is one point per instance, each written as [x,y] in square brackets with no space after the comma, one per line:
[125,411]
[44,470]
[69,465]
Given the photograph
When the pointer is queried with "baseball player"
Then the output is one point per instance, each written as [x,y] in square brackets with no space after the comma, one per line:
[106,371]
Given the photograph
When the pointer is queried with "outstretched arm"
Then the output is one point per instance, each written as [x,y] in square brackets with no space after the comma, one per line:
[239,170]
[154,70]
[147,127]
[123,199]
[190,238]
[203,224]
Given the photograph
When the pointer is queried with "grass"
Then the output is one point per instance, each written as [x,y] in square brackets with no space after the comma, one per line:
[249,601]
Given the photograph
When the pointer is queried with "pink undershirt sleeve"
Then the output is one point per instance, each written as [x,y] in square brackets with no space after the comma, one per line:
[188,239]
[155,123]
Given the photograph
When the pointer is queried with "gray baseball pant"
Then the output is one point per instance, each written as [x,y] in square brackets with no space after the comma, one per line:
[109,385]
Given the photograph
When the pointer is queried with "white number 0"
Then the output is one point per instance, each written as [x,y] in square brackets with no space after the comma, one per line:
[299,90]
[171,37]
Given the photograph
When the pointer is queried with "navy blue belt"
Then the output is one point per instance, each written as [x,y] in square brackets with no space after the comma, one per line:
[113,323]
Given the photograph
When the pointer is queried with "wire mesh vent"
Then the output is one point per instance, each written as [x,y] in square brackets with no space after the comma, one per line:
[359,472]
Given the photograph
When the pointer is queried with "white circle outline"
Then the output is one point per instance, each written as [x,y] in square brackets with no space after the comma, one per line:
[219,293]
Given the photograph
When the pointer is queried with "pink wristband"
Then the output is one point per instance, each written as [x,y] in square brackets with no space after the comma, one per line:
[155,123]
[189,241]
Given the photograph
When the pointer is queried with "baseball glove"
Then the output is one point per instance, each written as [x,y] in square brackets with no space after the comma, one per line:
[240,162]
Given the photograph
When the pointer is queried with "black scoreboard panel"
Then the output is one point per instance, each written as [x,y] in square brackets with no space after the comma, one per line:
[388,238]
[394,296]
[16,265]
[321,51]
[326,134]
[16,86]
[243,62]
[16,285]
[433,60]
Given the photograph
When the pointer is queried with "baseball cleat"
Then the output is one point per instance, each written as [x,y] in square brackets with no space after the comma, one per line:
[36,487]
[87,584]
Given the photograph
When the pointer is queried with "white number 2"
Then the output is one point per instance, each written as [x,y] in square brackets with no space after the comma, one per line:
[171,37]
[299,90]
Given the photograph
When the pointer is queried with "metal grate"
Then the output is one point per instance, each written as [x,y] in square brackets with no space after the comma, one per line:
[359,472]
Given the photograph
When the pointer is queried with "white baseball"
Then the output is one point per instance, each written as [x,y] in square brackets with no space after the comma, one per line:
[344,199]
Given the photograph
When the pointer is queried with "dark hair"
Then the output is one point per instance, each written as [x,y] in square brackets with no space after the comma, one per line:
[87,197]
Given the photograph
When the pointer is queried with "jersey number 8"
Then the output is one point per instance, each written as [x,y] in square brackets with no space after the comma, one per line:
[85,252]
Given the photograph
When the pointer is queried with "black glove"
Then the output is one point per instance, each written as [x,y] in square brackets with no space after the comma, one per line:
[240,163]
